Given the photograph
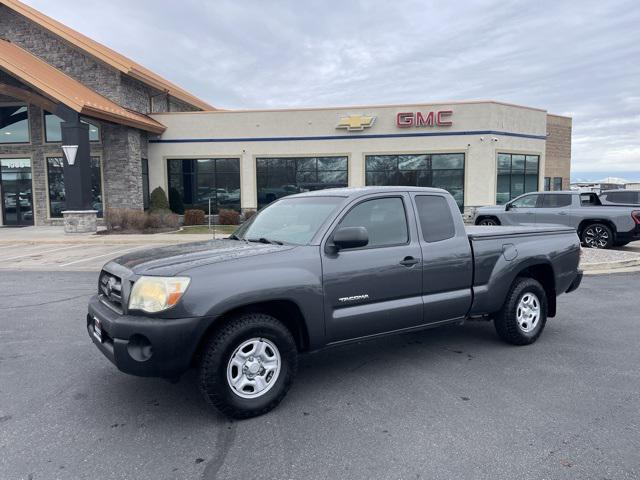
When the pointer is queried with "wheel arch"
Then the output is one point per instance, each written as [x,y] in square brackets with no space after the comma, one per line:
[286,311]
[482,217]
[590,221]
[543,273]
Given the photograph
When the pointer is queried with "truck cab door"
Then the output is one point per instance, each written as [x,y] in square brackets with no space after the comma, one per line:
[375,288]
[447,272]
[522,210]
[555,209]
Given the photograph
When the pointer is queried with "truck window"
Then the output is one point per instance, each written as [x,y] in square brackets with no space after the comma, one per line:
[528,201]
[621,197]
[556,200]
[589,200]
[384,219]
[435,218]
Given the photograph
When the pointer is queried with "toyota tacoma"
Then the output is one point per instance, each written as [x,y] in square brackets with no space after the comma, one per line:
[319,269]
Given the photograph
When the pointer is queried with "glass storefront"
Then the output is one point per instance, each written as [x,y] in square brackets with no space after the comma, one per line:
[193,182]
[53,131]
[442,170]
[517,174]
[279,177]
[14,124]
[17,195]
[55,180]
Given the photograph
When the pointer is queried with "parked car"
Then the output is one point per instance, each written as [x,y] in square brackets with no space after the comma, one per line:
[598,226]
[319,269]
[620,197]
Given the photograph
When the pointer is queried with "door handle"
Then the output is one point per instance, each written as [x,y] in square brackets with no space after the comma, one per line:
[563,213]
[409,261]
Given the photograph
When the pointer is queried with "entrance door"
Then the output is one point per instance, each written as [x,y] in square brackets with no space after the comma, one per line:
[16,191]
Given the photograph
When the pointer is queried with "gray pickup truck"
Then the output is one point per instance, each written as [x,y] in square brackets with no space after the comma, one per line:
[598,225]
[318,269]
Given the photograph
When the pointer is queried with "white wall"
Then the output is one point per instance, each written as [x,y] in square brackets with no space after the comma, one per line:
[480,150]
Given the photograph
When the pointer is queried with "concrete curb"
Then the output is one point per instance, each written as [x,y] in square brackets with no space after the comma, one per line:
[608,267]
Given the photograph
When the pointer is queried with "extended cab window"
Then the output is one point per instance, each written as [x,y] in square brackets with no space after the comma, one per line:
[384,219]
[556,200]
[589,200]
[435,217]
[528,201]
[621,197]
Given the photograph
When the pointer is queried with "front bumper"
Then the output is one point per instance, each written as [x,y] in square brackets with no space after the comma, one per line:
[144,346]
[576,282]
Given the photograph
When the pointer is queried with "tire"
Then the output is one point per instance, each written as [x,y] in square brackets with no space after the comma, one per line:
[262,345]
[513,323]
[597,235]
[488,221]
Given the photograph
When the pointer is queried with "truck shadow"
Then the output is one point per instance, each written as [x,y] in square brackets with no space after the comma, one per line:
[160,400]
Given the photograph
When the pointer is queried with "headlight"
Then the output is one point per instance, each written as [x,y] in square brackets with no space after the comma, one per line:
[154,294]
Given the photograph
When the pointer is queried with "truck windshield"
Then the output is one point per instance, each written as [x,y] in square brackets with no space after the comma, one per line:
[290,220]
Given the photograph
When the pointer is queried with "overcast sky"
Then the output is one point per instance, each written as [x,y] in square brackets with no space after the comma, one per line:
[578,58]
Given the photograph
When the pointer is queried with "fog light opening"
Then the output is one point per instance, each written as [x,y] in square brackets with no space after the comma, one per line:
[139,348]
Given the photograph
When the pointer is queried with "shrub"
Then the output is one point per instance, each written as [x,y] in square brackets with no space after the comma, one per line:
[158,200]
[134,220]
[153,220]
[113,218]
[175,201]
[193,217]
[228,217]
[248,214]
[170,220]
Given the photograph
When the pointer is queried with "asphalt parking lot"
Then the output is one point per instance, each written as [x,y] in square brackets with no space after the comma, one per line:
[447,403]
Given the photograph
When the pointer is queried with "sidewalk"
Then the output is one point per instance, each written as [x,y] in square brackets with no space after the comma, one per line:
[56,235]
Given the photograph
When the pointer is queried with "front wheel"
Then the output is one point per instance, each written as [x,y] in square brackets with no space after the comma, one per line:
[488,222]
[524,314]
[597,235]
[248,365]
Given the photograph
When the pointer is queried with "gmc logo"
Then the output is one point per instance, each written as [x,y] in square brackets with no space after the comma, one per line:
[428,119]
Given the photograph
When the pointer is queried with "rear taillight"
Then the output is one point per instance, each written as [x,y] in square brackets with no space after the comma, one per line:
[636,216]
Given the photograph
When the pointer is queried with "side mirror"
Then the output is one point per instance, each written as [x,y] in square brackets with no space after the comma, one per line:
[508,207]
[350,237]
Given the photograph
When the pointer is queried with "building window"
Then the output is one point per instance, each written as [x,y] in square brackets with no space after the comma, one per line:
[547,184]
[517,174]
[557,183]
[53,130]
[145,183]
[14,124]
[55,179]
[193,183]
[444,170]
[278,177]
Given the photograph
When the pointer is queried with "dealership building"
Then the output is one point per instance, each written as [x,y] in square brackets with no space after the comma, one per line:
[132,131]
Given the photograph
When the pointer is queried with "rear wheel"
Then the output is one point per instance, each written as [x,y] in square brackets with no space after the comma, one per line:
[524,314]
[248,365]
[597,235]
[488,221]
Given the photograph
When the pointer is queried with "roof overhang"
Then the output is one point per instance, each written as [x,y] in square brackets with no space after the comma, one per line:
[60,88]
[105,54]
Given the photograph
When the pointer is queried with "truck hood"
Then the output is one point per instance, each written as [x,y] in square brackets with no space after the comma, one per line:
[174,259]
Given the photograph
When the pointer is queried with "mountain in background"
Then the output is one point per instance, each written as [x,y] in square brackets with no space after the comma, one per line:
[625,176]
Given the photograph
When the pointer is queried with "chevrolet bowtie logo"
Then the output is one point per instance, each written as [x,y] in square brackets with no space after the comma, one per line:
[356,123]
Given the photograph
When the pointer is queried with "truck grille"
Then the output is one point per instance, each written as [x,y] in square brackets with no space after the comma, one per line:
[110,290]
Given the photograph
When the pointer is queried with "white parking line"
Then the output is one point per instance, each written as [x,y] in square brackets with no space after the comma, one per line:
[100,256]
[31,254]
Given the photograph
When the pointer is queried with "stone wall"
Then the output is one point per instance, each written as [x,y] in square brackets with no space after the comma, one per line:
[558,149]
[122,166]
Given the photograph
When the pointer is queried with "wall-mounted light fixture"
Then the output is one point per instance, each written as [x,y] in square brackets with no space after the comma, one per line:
[70,151]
